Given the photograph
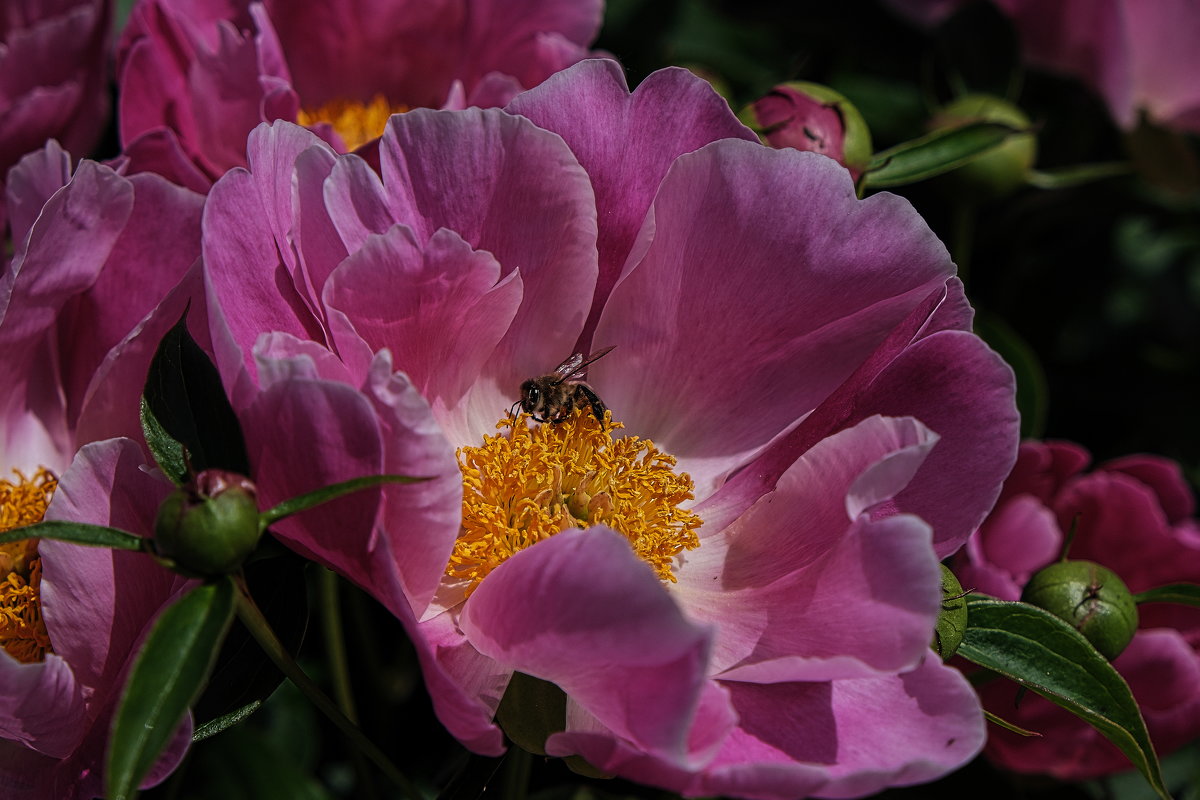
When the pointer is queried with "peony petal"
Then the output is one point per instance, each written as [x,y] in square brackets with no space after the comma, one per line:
[585,592]
[1162,475]
[97,603]
[454,310]
[798,310]
[1021,536]
[517,192]
[627,142]
[29,185]
[934,726]
[41,704]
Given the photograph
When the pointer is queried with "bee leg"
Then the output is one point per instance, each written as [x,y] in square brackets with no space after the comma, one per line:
[593,400]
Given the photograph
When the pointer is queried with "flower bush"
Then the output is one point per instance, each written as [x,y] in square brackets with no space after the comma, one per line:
[54,85]
[729,607]
[1134,515]
[195,78]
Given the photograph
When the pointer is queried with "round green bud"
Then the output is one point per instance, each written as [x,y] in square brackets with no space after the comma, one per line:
[1002,170]
[1091,598]
[209,527]
[952,621]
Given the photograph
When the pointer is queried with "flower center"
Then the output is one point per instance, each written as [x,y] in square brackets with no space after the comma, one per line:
[357,123]
[22,632]
[528,484]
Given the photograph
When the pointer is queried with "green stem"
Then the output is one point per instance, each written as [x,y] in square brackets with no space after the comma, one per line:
[518,766]
[339,667]
[250,615]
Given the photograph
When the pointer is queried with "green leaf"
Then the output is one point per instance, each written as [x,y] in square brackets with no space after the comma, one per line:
[1045,654]
[167,451]
[1187,594]
[76,533]
[225,722]
[934,154]
[166,677]
[184,397]
[326,493]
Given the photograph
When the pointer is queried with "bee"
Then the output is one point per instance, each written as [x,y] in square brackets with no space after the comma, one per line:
[552,397]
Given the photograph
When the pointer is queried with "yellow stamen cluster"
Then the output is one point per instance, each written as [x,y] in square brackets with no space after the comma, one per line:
[22,632]
[357,123]
[534,481]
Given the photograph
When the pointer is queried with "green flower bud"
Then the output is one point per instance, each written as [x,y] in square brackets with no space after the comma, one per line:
[209,527]
[952,621]
[1000,171]
[1093,599]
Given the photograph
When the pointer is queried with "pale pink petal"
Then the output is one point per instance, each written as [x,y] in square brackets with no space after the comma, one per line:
[627,142]
[586,592]
[797,311]
[810,589]
[517,192]
[464,685]
[933,725]
[454,310]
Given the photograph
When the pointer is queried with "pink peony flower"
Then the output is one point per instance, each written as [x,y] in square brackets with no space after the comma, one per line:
[750,606]
[88,292]
[1134,516]
[95,254]
[195,78]
[53,82]
[97,605]
[1141,57]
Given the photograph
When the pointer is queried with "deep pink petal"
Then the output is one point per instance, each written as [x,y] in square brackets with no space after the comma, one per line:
[585,592]
[31,183]
[41,704]
[627,142]
[1164,477]
[97,602]
[1021,535]
[798,310]
[517,192]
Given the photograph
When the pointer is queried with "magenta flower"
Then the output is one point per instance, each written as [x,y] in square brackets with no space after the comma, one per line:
[95,254]
[53,76]
[1134,516]
[97,605]
[741,606]
[195,78]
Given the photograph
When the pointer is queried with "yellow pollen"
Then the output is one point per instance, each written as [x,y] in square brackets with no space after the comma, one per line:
[22,632]
[357,123]
[534,481]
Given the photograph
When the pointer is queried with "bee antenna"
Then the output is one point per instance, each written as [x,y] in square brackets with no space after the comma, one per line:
[512,412]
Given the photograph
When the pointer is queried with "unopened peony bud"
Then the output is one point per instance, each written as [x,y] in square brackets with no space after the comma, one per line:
[1000,171]
[1093,599]
[209,528]
[952,620]
[808,116]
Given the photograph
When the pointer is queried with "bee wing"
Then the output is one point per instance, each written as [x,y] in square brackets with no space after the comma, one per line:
[576,364]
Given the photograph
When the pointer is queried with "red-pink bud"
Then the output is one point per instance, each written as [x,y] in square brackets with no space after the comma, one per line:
[808,116]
